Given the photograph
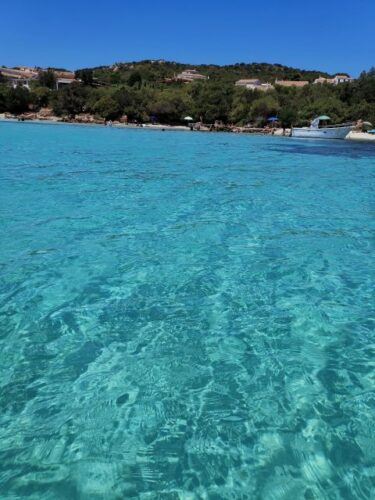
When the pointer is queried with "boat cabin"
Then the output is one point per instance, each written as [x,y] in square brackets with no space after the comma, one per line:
[320,122]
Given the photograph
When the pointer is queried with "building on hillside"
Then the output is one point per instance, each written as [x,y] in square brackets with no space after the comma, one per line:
[22,76]
[292,83]
[63,78]
[19,82]
[64,82]
[27,69]
[189,75]
[68,75]
[342,79]
[247,81]
[18,73]
[336,80]
[19,77]
[321,80]
[264,87]
[254,84]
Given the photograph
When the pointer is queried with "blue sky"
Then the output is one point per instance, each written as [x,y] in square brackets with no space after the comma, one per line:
[331,35]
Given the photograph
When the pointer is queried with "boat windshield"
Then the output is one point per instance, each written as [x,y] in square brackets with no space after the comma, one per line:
[320,121]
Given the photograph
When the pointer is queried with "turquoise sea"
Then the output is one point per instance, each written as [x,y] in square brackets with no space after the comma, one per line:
[185,316]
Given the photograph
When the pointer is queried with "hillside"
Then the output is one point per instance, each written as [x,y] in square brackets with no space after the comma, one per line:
[148,91]
[154,72]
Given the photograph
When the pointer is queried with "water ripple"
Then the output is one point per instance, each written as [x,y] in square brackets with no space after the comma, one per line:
[191,322]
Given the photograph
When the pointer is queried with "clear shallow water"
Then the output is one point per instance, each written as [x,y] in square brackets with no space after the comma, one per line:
[185,316]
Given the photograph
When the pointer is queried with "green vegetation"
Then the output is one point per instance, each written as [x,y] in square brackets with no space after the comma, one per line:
[85,75]
[47,79]
[14,100]
[146,91]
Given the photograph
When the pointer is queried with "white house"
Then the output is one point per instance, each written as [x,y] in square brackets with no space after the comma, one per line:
[20,77]
[189,75]
[342,79]
[336,80]
[254,84]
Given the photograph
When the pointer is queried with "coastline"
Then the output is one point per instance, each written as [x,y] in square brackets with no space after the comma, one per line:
[53,120]
[276,132]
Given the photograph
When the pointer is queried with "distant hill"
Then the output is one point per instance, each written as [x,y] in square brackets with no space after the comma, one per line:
[148,91]
[157,71]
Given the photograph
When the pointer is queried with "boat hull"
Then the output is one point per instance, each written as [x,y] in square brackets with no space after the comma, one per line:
[322,133]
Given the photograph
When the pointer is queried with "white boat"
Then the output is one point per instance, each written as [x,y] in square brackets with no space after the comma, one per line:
[319,129]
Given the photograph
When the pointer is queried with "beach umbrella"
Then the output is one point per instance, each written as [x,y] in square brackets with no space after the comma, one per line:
[367,125]
[188,118]
[324,117]
[273,120]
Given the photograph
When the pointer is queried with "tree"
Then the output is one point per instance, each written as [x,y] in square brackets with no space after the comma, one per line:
[135,79]
[331,106]
[47,79]
[107,107]
[169,107]
[296,76]
[241,104]
[40,96]
[212,100]
[70,100]
[115,78]
[363,111]
[18,100]
[3,98]
[263,108]
[365,86]
[288,116]
[85,75]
